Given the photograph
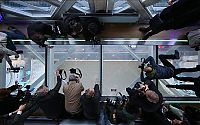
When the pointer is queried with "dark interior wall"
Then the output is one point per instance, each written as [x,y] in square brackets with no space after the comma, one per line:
[116,30]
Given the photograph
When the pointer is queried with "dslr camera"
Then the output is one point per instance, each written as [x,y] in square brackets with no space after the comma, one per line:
[143,63]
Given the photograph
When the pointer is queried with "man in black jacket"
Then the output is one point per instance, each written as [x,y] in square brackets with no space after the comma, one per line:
[90,103]
[147,97]
[181,14]
[49,101]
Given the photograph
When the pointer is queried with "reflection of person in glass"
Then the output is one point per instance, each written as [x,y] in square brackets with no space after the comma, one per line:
[5,52]
[155,71]
[195,87]
[178,15]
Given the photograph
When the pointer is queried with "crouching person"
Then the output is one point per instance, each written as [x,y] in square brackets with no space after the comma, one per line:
[90,103]
[72,91]
[147,97]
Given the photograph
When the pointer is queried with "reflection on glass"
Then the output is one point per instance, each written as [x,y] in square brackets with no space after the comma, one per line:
[33,8]
[120,5]
[86,58]
[120,67]
[82,5]
[188,59]
[32,67]
[158,7]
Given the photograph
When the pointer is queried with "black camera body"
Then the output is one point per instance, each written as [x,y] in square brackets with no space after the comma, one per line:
[61,71]
[72,70]
[143,63]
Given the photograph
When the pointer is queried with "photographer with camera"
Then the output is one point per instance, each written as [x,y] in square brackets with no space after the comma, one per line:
[90,103]
[51,102]
[72,91]
[8,102]
[147,97]
[155,71]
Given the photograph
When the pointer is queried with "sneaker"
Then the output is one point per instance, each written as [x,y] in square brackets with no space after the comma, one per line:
[143,29]
[176,54]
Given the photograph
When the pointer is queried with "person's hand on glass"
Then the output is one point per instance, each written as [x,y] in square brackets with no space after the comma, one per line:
[170,2]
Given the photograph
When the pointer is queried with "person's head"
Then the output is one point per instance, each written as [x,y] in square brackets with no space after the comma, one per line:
[39,38]
[4,93]
[89,93]
[42,90]
[76,27]
[152,96]
[148,69]
[74,77]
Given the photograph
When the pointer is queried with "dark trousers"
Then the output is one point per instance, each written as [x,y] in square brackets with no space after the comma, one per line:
[163,59]
[192,114]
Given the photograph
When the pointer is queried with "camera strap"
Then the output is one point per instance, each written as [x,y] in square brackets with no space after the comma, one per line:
[80,73]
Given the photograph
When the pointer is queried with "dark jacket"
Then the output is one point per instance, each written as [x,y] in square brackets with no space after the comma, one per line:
[53,102]
[91,106]
[91,26]
[42,29]
[52,110]
[10,120]
[140,100]
[161,72]
[10,103]
[181,14]
[18,119]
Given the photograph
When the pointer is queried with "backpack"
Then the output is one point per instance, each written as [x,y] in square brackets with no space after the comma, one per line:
[194,38]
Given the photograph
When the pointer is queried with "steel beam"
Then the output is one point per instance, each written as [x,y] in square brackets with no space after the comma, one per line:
[35,53]
[92,6]
[39,80]
[131,52]
[110,6]
[50,68]
[54,2]
[29,5]
[100,5]
[142,11]
[3,74]
[65,6]
[14,11]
